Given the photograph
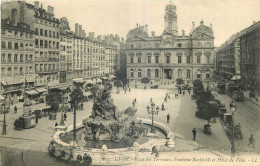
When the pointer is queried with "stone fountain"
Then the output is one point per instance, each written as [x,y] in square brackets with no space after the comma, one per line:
[106,123]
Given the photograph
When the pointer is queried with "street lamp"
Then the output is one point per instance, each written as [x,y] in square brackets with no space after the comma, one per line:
[152,110]
[4,121]
[233,151]
[62,109]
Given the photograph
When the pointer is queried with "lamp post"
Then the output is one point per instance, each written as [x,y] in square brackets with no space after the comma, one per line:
[4,121]
[62,109]
[233,151]
[152,110]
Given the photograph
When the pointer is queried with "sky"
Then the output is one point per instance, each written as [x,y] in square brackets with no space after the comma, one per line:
[119,16]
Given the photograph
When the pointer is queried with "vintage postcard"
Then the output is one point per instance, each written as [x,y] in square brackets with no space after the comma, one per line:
[130,82]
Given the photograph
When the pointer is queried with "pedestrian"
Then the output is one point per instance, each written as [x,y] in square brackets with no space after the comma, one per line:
[36,118]
[183,93]
[15,109]
[251,141]
[65,116]
[165,100]
[56,124]
[194,133]
[129,89]
[133,103]
[151,100]
[168,118]
[135,100]
[169,97]
[163,107]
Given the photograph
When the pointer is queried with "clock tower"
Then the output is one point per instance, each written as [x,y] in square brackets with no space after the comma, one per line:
[170,19]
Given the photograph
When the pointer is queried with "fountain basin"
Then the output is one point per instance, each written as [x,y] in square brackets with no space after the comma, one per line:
[66,151]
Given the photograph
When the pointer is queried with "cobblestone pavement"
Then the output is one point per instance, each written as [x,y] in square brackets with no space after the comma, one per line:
[34,142]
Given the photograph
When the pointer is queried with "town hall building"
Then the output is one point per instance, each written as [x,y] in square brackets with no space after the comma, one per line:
[170,55]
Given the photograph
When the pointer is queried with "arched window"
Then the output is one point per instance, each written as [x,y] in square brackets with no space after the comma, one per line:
[139,73]
[131,59]
[188,59]
[148,73]
[132,73]
[156,73]
[179,58]
[179,73]
[198,58]
[139,60]
[188,73]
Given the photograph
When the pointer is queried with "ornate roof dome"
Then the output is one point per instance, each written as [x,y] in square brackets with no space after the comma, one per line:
[27,102]
[170,7]
[203,29]
[137,31]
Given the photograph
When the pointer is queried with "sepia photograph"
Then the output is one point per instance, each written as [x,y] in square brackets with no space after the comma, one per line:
[130,82]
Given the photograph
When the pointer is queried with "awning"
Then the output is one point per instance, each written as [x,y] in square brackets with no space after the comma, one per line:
[112,76]
[104,78]
[13,81]
[4,83]
[78,80]
[98,80]
[29,79]
[237,77]
[41,90]
[31,92]
[89,82]
[40,106]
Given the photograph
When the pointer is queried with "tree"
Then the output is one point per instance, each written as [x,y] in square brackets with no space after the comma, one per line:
[53,99]
[145,80]
[197,86]
[179,81]
[76,97]
[118,83]
[125,81]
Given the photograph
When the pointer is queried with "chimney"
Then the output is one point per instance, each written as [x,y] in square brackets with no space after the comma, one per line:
[253,22]
[201,22]
[91,35]
[99,38]
[36,4]
[80,30]
[14,17]
[50,10]
[183,32]
[153,33]
[76,29]
[82,33]
[122,40]
[146,28]
[211,25]
[193,26]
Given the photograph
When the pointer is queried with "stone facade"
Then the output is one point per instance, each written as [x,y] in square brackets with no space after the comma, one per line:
[228,58]
[250,59]
[170,56]
[17,58]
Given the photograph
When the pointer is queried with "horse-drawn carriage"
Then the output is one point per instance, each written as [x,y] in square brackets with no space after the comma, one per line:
[154,86]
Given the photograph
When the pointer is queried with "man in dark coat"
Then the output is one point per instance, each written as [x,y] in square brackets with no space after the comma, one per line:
[168,118]
[65,116]
[194,133]
[15,109]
